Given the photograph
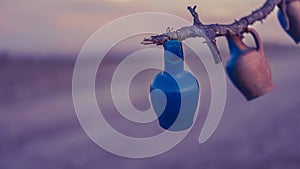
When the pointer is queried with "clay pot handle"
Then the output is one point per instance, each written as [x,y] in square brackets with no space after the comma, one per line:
[258,42]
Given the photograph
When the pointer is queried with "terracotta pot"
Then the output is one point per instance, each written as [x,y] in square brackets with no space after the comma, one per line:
[248,67]
[289,17]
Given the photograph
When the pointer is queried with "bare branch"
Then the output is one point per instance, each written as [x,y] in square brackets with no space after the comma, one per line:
[211,31]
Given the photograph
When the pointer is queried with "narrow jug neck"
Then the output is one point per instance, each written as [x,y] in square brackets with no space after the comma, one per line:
[173,57]
[236,45]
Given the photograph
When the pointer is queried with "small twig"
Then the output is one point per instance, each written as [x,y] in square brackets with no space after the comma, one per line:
[195,15]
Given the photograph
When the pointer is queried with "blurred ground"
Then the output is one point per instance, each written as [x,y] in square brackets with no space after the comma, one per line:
[39,128]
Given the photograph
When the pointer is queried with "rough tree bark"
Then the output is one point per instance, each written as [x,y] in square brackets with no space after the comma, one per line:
[211,31]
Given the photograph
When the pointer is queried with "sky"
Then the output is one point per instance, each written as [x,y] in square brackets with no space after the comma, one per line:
[63,26]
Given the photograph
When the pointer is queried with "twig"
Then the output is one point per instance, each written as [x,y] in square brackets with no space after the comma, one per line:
[211,31]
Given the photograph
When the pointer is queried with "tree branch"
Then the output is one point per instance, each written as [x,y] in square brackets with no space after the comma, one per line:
[211,31]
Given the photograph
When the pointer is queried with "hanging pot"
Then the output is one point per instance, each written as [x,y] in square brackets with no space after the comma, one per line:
[248,67]
[174,92]
[289,18]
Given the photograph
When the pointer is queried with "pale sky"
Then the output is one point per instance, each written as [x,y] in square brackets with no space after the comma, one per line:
[63,26]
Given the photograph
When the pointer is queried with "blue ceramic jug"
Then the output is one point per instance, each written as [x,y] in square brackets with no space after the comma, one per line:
[289,18]
[174,91]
